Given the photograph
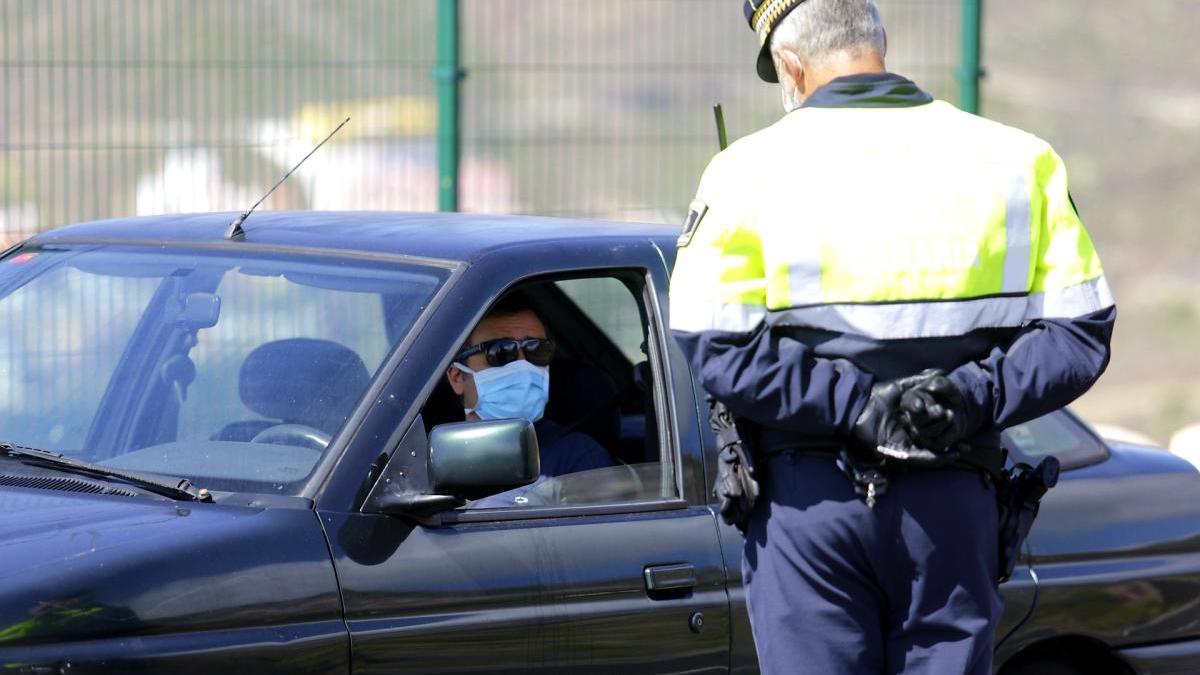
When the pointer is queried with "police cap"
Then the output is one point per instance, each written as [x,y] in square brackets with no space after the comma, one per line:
[763,16]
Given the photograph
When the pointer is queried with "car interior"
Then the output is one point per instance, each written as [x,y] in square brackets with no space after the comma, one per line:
[270,385]
[288,386]
[601,384]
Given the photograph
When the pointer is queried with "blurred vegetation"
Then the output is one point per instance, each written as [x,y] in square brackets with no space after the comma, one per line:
[1115,87]
[603,108]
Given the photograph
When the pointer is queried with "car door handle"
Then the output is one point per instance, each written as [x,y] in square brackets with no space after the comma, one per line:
[678,577]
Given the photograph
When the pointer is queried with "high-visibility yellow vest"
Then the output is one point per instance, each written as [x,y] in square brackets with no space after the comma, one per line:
[892,223]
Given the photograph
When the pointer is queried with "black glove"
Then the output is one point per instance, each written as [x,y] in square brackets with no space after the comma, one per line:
[883,430]
[934,412]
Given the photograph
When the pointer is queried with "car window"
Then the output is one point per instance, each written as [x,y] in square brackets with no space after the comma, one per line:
[324,318]
[233,368]
[600,441]
[1056,434]
[606,302]
[64,360]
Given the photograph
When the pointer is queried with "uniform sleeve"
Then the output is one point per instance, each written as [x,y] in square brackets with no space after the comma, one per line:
[776,381]
[718,303]
[1064,346]
[1051,363]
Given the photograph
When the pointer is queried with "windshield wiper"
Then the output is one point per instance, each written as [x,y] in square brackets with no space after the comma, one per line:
[168,486]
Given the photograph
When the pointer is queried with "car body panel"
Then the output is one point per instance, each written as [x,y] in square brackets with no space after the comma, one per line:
[1116,548]
[544,595]
[112,571]
[436,236]
[1174,658]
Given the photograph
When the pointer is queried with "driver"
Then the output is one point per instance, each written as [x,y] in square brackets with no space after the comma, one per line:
[503,372]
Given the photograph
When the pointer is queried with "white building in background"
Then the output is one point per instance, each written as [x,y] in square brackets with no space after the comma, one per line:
[385,158]
[190,180]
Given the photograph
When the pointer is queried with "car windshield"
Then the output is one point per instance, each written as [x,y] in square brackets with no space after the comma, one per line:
[231,368]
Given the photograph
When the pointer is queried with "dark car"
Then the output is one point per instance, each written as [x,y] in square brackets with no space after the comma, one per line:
[242,453]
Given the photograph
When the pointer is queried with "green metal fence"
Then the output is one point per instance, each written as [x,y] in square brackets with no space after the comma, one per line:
[583,107]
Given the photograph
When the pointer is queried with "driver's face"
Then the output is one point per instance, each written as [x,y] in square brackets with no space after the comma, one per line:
[523,324]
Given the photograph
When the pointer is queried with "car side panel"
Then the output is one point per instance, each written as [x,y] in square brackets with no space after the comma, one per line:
[111,583]
[1117,550]
[318,647]
[1175,658]
[742,656]
[524,596]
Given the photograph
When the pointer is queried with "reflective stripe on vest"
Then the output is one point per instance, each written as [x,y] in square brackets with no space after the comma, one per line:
[908,320]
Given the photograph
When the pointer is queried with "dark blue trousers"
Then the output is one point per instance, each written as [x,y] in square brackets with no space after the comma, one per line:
[907,587]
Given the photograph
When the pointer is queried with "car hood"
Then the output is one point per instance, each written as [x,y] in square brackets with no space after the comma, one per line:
[79,566]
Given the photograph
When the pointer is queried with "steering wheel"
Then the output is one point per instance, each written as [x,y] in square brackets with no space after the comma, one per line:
[293,434]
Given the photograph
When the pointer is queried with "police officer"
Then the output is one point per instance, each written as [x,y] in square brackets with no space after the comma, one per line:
[880,277]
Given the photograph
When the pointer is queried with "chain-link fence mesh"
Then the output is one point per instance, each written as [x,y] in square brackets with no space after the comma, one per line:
[577,107]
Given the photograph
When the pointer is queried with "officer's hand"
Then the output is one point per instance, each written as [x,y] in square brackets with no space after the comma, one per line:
[934,412]
[923,415]
[881,426]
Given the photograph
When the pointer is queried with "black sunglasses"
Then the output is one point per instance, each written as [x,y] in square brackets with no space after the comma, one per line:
[503,351]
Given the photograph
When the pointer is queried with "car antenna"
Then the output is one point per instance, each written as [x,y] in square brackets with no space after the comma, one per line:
[235,230]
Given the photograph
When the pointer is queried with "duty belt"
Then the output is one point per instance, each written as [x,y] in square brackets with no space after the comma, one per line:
[870,478]
[989,460]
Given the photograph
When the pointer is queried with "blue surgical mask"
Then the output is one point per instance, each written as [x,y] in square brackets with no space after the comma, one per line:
[515,390]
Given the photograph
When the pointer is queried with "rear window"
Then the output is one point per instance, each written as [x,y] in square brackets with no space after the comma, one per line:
[1055,434]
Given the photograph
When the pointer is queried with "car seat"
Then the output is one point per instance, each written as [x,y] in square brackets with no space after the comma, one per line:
[584,398]
[298,381]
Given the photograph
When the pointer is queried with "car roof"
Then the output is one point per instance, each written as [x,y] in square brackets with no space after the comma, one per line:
[450,236]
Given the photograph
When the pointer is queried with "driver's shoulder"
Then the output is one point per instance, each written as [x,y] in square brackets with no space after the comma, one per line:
[565,450]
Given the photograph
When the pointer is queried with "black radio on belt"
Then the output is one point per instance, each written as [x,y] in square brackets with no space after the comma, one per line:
[1019,497]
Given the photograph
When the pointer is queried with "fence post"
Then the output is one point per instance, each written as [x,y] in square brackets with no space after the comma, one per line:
[447,74]
[968,70]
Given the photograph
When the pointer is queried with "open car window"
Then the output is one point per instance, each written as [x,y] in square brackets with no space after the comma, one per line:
[600,439]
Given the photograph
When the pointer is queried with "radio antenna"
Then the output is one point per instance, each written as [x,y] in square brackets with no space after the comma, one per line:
[235,230]
[719,116]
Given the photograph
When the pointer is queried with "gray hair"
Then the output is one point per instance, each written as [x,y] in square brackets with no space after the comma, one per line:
[820,29]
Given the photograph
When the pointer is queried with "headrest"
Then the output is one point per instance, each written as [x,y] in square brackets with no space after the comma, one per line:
[303,381]
[582,396]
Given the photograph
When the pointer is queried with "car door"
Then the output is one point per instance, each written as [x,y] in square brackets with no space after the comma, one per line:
[625,573]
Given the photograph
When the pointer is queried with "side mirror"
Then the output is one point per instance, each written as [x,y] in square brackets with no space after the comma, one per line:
[472,459]
[459,461]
